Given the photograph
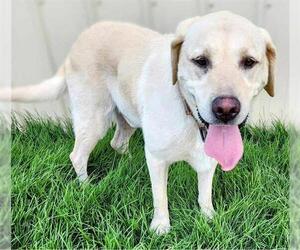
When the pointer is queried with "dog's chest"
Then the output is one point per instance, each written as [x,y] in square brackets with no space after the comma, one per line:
[173,141]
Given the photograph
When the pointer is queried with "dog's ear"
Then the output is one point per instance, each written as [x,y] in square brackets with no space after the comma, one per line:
[175,52]
[271,56]
[177,43]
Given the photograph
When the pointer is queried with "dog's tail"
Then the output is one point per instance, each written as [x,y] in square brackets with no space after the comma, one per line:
[49,89]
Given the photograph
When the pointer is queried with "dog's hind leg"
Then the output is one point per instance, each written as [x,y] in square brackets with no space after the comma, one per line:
[92,110]
[124,131]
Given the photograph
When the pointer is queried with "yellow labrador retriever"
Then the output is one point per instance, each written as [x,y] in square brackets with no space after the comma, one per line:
[204,77]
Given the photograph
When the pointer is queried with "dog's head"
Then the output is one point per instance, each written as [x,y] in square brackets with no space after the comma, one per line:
[221,62]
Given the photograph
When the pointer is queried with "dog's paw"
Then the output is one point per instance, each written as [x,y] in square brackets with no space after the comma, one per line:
[160,225]
[120,147]
[208,212]
[83,178]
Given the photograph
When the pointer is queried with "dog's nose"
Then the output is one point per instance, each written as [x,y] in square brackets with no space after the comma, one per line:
[226,108]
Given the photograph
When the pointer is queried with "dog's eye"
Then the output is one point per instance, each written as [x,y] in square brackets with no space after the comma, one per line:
[202,61]
[248,62]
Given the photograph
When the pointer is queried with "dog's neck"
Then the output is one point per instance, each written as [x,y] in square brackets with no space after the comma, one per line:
[189,112]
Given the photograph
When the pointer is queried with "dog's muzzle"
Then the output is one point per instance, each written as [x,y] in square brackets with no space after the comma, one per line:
[206,124]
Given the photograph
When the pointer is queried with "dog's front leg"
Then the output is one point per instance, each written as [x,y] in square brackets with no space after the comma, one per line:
[158,171]
[205,180]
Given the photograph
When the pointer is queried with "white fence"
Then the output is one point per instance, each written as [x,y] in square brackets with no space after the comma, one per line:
[44,30]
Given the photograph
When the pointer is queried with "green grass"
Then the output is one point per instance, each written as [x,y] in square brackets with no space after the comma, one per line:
[51,210]
[5,186]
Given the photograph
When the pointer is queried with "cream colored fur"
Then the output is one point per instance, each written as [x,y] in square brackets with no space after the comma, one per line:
[122,73]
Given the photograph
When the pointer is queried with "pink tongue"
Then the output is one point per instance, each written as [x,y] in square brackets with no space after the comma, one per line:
[224,143]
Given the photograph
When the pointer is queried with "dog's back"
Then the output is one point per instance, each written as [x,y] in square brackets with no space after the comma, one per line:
[102,52]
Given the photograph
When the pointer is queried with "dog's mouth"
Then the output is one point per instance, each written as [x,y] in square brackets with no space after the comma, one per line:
[223,142]
[206,124]
[201,119]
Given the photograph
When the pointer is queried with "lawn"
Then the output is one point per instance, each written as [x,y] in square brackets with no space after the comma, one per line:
[113,210]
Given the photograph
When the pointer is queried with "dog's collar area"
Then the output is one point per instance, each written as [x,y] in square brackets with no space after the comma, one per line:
[203,125]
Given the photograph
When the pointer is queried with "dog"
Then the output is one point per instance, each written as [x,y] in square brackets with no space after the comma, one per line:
[189,92]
